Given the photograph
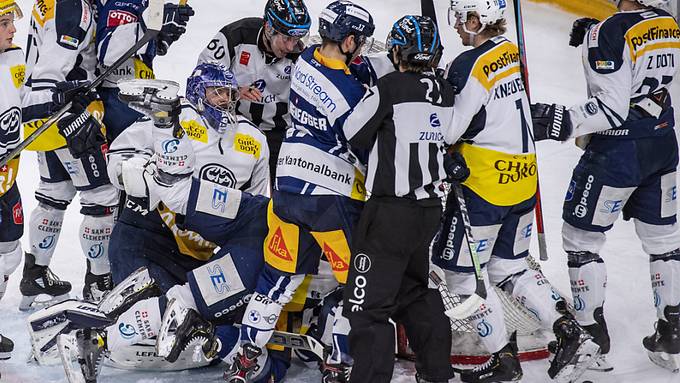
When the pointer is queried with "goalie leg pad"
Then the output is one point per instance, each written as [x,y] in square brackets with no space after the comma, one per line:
[529,287]
[588,277]
[141,322]
[488,320]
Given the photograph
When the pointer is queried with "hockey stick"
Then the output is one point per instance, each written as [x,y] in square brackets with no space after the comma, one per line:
[472,303]
[154,23]
[519,26]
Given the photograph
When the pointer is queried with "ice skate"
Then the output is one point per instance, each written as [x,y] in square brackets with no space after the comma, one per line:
[502,366]
[137,286]
[96,286]
[574,351]
[245,365]
[663,347]
[39,281]
[335,373]
[182,328]
[6,347]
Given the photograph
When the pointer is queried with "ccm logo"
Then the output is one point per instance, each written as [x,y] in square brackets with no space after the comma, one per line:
[117,18]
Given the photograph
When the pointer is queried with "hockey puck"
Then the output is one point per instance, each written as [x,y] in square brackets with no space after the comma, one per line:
[587,381]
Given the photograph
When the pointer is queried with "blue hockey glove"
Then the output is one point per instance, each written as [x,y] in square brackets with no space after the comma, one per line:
[175,18]
[455,167]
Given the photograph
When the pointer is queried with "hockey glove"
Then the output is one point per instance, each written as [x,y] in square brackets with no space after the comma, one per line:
[83,133]
[175,18]
[75,92]
[551,121]
[455,167]
[579,30]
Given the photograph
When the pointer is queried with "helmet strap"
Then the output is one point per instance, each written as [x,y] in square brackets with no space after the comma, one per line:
[349,55]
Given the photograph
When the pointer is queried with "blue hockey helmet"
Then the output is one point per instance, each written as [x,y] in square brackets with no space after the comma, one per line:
[343,18]
[288,17]
[417,40]
[213,89]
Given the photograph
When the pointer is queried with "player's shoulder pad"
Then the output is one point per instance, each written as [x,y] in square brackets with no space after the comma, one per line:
[73,18]
[244,31]
[460,70]
[606,41]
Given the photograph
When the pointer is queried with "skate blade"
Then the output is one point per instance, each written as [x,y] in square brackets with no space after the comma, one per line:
[174,315]
[670,362]
[601,364]
[68,351]
[584,357]
[5,355]
[33,303]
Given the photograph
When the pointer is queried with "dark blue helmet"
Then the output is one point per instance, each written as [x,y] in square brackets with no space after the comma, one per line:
[343,18]
[418,40]
[288,17]
[216,78]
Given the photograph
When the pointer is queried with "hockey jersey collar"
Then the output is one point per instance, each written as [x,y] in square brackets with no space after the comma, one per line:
[330,63]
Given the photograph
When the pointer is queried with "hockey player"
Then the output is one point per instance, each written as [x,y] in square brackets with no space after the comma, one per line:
[120,24]
[399,121]
[261,53]
[319,188]
[492,106]
[626,127]
[61,49]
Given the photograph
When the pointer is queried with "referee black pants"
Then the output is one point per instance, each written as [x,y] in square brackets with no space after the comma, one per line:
[388,278]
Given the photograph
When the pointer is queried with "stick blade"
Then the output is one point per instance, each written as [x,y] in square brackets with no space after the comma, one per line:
[466,308]
[154,17]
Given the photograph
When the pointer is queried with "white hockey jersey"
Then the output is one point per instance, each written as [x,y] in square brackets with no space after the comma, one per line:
[240,48]
[492,108]
[629,59]
[239,160]
[13,96]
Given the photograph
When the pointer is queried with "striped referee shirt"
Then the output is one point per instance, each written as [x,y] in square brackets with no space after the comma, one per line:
[401,120]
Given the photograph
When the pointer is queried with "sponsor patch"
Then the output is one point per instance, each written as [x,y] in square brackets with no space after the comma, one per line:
[218,280]
[195,131]
[117,18]
[43,10]
[18,73]
[604,65]
[594,36]
[218,200]
[18,214]
[69,40]
[247,144]
[245,58]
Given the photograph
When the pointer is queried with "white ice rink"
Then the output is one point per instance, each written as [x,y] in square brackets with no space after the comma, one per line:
[555,76]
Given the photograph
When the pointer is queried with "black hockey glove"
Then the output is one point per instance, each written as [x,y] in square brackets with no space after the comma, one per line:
[175,18]
[75,92]
[579,29]
[455,167]
[551,121]
[83,133]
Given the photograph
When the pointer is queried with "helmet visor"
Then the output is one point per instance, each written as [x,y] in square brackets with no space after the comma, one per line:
[366,44]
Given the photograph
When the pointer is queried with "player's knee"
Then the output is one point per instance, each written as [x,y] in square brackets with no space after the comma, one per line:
[182,294]
[57,195]
[10,257]
[461,283]
[658,239]
[99,201]
[577,240]
[582,258]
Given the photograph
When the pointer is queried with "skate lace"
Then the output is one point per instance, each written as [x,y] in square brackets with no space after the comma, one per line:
[51,278]
[486,365]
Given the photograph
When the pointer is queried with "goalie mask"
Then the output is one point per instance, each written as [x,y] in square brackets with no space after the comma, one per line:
[488,12]
[213,90]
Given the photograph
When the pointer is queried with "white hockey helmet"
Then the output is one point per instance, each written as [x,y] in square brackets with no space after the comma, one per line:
[10,6]
[489,11]
[648,3]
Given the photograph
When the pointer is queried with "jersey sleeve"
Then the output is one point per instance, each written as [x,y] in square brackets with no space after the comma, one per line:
[135,141]
[65,37]
[120,24]
[471,97]
[363,122]
[608,69]
[218,49]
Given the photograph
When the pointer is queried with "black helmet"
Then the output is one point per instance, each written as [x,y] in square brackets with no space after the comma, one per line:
[418,40]
[289,17]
